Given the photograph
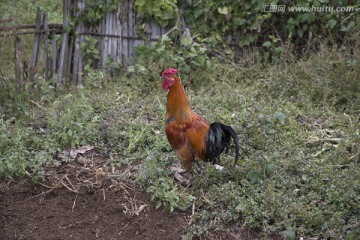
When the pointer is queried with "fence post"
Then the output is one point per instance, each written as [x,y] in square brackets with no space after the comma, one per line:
[124,32]
[130,29]
[54,55]
[77,60]
[36,45]
[17,63]
[118,32]
[46,35]
[64,41]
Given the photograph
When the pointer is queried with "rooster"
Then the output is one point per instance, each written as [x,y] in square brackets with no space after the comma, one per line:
[188,133]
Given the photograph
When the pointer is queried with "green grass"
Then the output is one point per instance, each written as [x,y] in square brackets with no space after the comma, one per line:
[298,125]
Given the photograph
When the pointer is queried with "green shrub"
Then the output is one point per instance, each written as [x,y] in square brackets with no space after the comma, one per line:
[72,120]
[23,150]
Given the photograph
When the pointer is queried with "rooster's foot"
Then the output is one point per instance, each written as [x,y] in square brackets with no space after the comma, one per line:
[180,174]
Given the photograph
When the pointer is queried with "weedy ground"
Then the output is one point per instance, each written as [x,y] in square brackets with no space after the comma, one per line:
[298,123]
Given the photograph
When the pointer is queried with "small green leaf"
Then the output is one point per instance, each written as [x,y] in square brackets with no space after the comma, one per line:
[224,10]
[305,177]
[241,206]
[186,41]
[253,176]
[239,21]
[270,168]
[279,50]
[288,234]
[331,23]
[300,32]
[131,69]
[267,44]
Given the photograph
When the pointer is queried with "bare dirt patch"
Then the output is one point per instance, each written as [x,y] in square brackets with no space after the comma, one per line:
[31,211]
[80,201]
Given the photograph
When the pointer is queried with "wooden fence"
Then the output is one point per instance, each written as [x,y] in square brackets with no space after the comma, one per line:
[116,36]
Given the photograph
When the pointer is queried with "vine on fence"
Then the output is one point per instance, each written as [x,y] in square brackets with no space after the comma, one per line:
[246,23]
[165,12]
[95,10]
[253,23]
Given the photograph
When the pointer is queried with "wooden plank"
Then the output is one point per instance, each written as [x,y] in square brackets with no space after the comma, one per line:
[46,36]
[69,57]
[36,45]
[124,31]
[28,26]
[64,41]
[104,42]
[77,60]
[119,32]
[54,55]
[153,27]
[10,19]
[113,40]
[137,42]
[80,60]
[130,29]
[17,63]
[113,35]
[57,31]
[109,29]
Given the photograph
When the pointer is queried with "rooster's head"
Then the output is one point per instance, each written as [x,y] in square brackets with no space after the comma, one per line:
[168,76]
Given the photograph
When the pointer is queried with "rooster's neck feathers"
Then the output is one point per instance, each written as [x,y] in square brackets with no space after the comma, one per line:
[177,105]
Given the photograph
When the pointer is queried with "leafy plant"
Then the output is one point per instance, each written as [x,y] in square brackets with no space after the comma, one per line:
[90,52]
[165,12]
[72,121]
[165,193]
[95,10]
[22,149]
[191,55]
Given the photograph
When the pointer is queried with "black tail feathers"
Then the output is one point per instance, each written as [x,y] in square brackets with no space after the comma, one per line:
[218,139]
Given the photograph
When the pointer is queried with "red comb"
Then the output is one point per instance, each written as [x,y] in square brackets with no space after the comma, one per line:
[169,71]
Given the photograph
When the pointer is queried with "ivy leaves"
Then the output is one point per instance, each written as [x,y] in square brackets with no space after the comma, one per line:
[164,12]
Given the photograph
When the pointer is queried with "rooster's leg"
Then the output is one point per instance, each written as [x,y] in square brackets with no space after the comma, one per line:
[182,175]
[187,157]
